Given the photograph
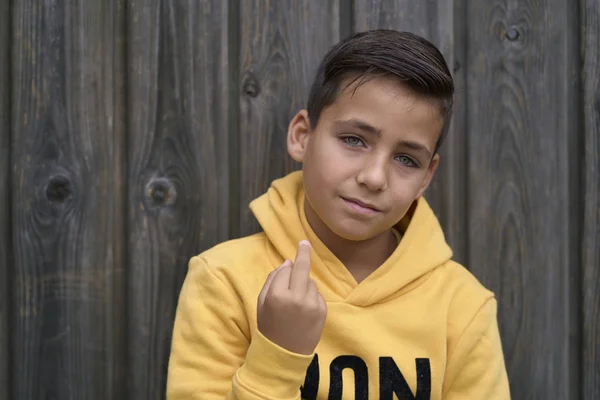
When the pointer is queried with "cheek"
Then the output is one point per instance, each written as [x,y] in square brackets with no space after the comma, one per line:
[406,188]
[328,159]
[323,148]
[314,168]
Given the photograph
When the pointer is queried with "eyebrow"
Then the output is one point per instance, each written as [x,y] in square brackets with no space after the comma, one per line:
[366,127]
[362,125]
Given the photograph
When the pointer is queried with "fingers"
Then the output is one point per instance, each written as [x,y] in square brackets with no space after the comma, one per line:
[301,269]
[322,301]
[292,277]
[269,281]
[312,291]
[313,294]
[281,281]
[316,300]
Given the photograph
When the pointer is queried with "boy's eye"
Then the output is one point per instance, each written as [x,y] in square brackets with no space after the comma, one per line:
[406,161]
[352,141]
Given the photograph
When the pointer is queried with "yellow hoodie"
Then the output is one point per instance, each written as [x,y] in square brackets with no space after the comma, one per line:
[420,326]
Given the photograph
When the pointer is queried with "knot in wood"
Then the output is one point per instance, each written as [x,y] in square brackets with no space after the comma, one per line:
[251,86]
[161,192]
[59,189]
[513,34]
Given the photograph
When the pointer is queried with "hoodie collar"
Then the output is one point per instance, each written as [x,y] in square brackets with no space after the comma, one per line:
[280,212]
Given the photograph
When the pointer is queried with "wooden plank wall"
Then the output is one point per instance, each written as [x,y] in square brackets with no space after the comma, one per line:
[590,21]
[5,242]
[523,128]
[67,134]
[178,166]
[133,134]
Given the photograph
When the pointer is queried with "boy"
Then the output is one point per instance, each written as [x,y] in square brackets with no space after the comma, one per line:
[350,291]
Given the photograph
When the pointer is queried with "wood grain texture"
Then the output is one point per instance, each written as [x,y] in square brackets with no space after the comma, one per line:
[5,231]
[522,118]
[449,186]
[68,248]
[436,22]
[591,219]
[178,202]
[282,43]
[430,19]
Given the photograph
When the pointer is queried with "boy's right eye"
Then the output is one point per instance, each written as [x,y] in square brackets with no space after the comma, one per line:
[352,141]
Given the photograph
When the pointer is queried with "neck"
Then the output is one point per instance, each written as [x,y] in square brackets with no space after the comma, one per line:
[359,257]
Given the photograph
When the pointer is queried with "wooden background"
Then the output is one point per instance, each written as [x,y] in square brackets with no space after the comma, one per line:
[133,134]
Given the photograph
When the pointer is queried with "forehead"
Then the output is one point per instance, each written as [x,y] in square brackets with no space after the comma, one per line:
[395,110]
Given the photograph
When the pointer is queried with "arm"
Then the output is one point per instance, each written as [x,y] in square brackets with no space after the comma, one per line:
[212,356]
[476,368]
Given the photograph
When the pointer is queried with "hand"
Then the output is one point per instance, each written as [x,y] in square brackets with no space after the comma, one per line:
[291,311]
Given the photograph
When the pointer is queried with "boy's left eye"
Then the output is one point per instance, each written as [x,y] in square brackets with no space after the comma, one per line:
[406,161]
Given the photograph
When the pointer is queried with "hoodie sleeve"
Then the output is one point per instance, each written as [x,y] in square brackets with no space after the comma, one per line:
[211,355]
[476,368]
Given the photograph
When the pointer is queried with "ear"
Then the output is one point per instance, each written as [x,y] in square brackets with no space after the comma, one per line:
[298,134]
[435,161]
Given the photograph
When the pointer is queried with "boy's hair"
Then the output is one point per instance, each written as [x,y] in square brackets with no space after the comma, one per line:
[413,60]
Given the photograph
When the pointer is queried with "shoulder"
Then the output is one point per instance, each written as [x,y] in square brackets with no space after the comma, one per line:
[471,305]
[463,283]
[462,293]
[238,261]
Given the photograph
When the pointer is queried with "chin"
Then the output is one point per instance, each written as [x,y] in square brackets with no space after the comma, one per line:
[353,233]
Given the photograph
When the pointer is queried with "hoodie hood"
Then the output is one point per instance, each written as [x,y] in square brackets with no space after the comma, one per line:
[280,212]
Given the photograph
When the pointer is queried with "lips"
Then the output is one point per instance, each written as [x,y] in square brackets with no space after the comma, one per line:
[361,203]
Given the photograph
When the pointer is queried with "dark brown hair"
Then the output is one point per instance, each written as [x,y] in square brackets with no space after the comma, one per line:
[413,60]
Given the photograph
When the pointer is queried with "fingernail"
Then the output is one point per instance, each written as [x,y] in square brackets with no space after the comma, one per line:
[305,242]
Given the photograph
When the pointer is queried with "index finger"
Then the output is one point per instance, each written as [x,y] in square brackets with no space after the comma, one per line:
[301,269]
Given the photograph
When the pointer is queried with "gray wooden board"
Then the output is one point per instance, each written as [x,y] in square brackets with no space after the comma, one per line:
[590,28]
[522,119]
[66,195]
[178,162]
[5,226]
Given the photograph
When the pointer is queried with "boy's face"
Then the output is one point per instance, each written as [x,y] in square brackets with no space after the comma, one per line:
[368,159]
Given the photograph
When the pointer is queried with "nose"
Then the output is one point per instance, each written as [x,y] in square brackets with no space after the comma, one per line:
[373,174]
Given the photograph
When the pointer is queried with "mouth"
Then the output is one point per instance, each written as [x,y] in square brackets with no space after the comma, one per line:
[360,206]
